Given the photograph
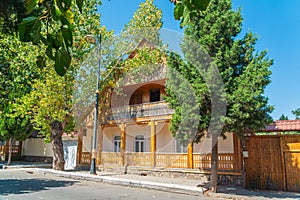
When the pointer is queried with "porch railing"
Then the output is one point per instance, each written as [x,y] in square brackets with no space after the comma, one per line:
[152,109]
[111,158]
[171,160]
[15,150]
[227,161]
[138,159]
[85,158]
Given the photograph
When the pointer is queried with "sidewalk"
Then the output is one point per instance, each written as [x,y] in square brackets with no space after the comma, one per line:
[177,185]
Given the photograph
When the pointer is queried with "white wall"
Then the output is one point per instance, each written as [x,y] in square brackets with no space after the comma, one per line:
[36,147]
[224,146]
[164,139]
[87,140]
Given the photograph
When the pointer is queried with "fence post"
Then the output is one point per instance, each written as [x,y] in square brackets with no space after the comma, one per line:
[282,163]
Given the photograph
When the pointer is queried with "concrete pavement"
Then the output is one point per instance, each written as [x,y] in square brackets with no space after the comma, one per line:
[176,185]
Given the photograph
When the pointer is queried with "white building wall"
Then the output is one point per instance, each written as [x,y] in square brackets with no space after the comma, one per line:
[224,146]
[87,140]
[37,147]
[165,143]
[164,139]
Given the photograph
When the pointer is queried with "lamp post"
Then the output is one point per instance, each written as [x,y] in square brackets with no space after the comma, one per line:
[96,41]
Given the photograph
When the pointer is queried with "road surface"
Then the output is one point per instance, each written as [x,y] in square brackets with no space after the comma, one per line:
[27,185]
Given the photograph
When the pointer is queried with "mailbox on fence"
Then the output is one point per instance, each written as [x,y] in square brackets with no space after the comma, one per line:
[245,154]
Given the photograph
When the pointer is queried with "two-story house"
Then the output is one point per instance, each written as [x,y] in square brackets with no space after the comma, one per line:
[136,131]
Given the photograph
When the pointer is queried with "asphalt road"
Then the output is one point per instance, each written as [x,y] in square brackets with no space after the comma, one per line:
[24,184]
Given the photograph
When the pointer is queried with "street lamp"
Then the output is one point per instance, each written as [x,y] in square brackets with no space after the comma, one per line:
[96,41]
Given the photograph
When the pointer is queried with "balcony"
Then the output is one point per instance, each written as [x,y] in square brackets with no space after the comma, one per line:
[145,110]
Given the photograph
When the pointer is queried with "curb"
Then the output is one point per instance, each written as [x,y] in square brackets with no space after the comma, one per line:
[183,189]
[26,166]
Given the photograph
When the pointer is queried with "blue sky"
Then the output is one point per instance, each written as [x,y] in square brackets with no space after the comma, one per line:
[275,22]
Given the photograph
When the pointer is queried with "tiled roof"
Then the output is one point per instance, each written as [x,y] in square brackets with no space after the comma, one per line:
[283,125]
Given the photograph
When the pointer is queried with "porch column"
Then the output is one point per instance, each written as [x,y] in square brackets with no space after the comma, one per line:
[20,149]
[153,142]
[79,146]
[100,144]
[6,148]
[123,145]
[190,160]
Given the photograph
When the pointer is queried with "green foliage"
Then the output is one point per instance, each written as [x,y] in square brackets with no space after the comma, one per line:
[53,23]
[11,14]
[145,24]
[283,117]
[186,10]
[17,71]
[245,74]
[51,99]
[296,113]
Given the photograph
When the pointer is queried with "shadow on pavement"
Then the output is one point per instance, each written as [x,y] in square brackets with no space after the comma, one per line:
[21,186]
[229,191]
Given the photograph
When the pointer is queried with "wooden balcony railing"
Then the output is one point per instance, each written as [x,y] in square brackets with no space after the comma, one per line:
[160,108]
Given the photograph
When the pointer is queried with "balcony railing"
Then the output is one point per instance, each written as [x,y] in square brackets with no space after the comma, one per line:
[152,109]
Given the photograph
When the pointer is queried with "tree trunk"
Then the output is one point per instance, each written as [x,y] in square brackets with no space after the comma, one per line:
[9,151]
[214,164]
[57,146]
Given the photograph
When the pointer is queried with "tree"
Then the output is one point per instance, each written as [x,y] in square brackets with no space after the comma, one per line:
[296,113]
[227,75]
[50,104]
[283,117]
[17,70]
[32,17]
[186,10]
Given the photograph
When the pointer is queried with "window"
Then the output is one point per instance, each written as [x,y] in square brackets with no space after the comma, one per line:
[139,143]
[117,143]
[155,95]
[180,148]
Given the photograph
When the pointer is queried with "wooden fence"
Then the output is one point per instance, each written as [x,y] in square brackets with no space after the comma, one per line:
[273,162]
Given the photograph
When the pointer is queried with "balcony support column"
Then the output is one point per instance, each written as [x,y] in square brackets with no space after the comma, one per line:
[123,145]
[152,125]
[190,155]
[79,146]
